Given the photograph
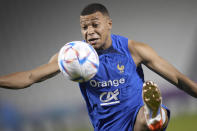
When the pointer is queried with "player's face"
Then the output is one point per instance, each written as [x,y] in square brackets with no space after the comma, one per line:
[96,30]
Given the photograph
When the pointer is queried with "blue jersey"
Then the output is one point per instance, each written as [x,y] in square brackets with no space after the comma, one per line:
[114,95]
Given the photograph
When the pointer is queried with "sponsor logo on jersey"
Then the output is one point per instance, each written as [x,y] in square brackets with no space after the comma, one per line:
[109,98]
[108,83]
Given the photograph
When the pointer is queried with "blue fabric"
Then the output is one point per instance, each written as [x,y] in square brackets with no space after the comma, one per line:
[114,95]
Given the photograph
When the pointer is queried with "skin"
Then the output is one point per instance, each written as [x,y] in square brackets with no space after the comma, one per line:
[96,30]
[20,80]
[95,26]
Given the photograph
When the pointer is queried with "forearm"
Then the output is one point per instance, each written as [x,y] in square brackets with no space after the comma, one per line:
[187,85]
[21,80]
[16,80]
[144,54]
[24,79]
[171,74]
[181,81]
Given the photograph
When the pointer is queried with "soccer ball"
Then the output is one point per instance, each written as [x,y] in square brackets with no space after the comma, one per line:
[78,61]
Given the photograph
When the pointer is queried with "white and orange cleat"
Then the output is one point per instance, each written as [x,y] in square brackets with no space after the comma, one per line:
[152,105]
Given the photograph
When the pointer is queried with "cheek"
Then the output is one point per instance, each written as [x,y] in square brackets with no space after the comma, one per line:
[83,34]
[102,31]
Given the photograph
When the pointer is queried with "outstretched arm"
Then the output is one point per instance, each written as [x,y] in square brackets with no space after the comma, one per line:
[146,55]
[24,79]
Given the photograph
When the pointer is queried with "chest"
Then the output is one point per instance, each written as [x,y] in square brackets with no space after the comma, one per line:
[114,69]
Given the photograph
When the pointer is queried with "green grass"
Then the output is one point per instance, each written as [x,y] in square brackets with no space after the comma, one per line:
[183,123]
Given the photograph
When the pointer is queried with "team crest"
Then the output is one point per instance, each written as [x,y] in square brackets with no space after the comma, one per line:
[120,68]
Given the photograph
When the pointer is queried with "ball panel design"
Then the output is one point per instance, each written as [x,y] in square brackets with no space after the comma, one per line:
[78,61]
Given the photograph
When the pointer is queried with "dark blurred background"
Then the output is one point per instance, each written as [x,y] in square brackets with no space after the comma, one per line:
[31,31]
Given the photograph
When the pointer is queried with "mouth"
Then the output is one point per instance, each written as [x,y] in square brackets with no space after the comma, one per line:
[93,41]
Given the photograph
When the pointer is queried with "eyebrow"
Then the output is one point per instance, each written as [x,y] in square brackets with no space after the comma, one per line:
[93,19]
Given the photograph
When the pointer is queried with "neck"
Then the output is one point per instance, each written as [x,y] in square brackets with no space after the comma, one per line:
[108,43]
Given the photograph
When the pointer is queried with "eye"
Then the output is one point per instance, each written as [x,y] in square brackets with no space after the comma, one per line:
[84,27]
[95,25]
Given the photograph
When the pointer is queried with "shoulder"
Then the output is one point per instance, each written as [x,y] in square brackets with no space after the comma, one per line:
[136,47]
[139,51]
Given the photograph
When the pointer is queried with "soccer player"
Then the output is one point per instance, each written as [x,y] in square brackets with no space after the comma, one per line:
[117,97]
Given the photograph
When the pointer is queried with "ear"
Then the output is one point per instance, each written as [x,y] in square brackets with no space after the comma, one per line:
[110,23]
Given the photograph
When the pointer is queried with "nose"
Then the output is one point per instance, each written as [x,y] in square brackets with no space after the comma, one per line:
[90,30]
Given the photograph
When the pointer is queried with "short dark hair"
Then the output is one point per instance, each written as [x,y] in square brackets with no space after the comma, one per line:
[93,8]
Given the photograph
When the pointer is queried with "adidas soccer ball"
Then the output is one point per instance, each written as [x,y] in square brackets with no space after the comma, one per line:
[78,61]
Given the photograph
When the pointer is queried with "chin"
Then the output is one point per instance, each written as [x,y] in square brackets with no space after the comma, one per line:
[95,47]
